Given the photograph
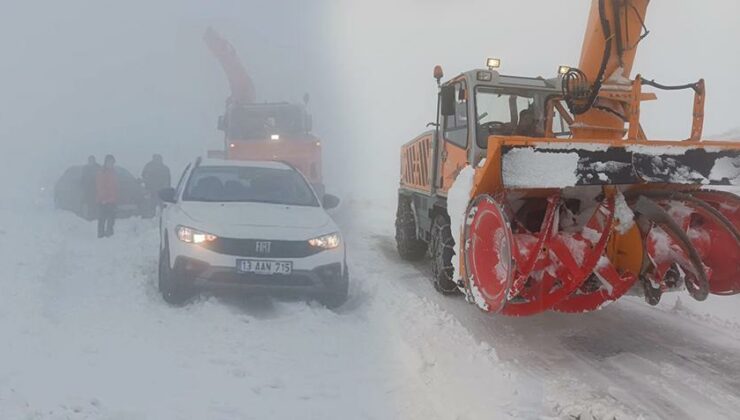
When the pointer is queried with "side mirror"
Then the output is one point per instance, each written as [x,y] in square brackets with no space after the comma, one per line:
[168,195]
[330,201]
[221,125]
[447,100]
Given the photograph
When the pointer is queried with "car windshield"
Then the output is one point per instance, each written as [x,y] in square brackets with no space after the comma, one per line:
[257,122]
[249,185]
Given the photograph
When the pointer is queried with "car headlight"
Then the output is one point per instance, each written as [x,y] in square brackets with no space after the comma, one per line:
[193,236]
[329,241]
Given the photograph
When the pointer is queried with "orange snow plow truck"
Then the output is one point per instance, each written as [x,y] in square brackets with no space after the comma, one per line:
[263,131]
[536,194]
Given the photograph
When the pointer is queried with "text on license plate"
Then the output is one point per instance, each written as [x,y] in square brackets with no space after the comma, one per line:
[264,267]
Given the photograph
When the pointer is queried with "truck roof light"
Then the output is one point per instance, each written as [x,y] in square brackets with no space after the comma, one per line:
[493,63]
[484,76]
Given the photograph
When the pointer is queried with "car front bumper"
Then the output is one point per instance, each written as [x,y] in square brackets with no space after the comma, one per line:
[205,269]
[204,276]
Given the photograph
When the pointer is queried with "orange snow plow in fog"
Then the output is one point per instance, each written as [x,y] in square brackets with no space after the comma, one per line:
[536,194]
[263,131]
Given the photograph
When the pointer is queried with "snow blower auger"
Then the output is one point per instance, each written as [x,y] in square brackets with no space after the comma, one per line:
[553,195]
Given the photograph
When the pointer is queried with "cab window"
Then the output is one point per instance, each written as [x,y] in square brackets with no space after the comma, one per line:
[505,113]
[560,123]
[260,121]
[456,126]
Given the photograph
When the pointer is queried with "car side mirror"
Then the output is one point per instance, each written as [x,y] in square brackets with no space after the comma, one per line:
[330,201]
[168,195]
[447,100]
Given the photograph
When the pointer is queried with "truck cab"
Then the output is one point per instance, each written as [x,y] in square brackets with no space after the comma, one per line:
[273,131]
[480,103]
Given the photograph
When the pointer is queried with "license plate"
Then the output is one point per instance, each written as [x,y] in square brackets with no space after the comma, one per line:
[264,267]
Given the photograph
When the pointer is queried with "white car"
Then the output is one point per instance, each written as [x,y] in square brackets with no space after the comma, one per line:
[256,226]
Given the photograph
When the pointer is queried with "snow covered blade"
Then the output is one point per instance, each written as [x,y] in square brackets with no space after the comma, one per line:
[557,165]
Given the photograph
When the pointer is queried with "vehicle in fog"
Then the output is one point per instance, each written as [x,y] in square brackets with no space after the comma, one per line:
[133,198]
[563,203]
[255,226]
[264,131]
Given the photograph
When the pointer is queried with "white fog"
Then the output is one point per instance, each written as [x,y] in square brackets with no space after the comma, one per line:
[297,260]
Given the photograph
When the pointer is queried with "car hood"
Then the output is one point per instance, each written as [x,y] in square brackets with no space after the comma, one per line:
[262,220]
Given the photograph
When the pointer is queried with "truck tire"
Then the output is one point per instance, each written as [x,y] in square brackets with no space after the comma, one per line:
[173,291]
[442,250]
[409,246]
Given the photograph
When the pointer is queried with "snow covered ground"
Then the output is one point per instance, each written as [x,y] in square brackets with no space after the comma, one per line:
[629,360]
[86,336]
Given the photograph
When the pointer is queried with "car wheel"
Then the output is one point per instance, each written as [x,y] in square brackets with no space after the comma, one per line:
[442,250]
[409,246]
[173,290]
[337,293]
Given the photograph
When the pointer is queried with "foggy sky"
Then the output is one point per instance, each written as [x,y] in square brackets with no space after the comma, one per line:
[134,78]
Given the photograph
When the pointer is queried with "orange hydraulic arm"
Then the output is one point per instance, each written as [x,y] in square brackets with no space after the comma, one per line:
[614,30]
[242,88]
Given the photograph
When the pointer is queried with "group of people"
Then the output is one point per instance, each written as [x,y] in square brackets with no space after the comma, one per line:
[101,188]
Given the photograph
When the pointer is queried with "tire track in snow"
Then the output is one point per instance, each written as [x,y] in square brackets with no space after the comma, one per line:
[631,358]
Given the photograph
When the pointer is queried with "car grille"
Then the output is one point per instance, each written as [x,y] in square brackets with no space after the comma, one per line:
[254,248]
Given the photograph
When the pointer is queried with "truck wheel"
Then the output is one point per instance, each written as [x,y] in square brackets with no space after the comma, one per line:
[408,245]
[173,291]
[442,250]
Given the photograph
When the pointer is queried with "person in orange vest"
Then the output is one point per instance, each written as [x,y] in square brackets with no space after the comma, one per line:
[106,184]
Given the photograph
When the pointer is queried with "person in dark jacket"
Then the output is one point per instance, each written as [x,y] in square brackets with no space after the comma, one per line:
[107,196]
[88,187]
[156,177]
[527,124]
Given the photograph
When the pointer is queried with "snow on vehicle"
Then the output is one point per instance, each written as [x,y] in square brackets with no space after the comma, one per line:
[557,198]
[264,131]
[251,225]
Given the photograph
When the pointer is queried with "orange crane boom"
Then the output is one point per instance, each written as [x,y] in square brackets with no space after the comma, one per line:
[242,88]
[613,32]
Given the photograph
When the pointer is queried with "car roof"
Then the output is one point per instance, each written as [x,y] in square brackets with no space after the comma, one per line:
[269,164]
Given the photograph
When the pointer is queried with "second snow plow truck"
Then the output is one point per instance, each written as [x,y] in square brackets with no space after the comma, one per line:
[536,194]
[264,131]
